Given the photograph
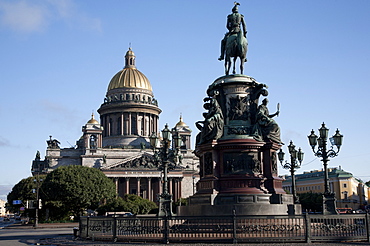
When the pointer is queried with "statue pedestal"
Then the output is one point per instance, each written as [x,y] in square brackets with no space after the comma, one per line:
[239,174]
[237,149]
[246,204]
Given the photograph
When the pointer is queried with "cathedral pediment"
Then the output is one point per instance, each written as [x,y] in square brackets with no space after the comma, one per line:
[141,161]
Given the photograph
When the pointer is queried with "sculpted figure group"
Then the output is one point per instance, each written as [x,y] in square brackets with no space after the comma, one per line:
[211,128]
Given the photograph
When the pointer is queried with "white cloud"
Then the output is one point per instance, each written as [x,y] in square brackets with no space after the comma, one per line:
[23,16]
[4,142]
[63,7]
[93,24]
[33,16]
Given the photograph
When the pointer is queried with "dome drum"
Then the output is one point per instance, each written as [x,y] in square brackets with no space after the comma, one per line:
[129,124]
[128,106]
[130,96]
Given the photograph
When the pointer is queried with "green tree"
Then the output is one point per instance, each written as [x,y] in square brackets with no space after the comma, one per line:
[311,201]
[69,190]
[129,203]
[24,190]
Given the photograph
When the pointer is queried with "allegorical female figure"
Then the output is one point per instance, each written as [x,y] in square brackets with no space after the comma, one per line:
[266,128]
[212,126]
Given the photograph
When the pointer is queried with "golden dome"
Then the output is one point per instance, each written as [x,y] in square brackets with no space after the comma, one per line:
[129,76]
[92,120]
[180,123]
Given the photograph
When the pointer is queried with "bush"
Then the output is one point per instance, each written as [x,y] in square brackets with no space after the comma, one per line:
[129,203]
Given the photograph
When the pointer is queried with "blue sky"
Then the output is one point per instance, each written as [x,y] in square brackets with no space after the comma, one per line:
[58,56]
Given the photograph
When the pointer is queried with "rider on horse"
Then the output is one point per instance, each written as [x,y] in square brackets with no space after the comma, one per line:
[234,21]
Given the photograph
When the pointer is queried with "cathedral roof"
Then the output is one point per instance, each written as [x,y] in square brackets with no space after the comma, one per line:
[129,76]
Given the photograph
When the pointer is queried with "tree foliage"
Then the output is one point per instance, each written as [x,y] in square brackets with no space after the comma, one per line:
[129,203]
[72,189]
[311,201]
[24,190]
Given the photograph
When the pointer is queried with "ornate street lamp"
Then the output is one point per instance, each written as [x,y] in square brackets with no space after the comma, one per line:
[296,158]
[167,159]
[37,180]
[329,196]
[36,169]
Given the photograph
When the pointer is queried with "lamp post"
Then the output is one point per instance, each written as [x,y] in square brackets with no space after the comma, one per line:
[167,159]
[296,158]
[37,180]
[322,151]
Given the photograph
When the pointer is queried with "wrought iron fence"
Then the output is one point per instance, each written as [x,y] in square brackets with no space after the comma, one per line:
[228,229]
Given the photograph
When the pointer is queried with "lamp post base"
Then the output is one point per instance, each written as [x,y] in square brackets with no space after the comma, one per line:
[329,206]
[165,205]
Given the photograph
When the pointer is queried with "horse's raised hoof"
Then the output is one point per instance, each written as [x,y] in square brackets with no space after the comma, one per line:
[220,58]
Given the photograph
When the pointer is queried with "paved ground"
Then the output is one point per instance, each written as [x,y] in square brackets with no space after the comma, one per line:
[62,235]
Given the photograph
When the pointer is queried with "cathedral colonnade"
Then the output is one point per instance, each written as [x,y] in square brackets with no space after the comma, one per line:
[129,123]
[150,187]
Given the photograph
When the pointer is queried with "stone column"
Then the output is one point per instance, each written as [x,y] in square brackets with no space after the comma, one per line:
[122,124]
[150,196]
[180,187]
[175,189]
[138,125]
[127,185]
[129,124]
[160,186]
[109,127]
[138,186]
[147,127]
[116,182]
[151,124]
[102,122]
[170,186]
[100,140]
[156,123]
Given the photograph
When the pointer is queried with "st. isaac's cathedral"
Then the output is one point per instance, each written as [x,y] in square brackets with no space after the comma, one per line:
[119,145]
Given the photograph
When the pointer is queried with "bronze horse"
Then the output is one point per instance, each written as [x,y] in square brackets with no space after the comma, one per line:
[236,46]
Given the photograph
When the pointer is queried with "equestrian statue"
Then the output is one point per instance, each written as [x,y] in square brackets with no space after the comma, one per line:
[235,43]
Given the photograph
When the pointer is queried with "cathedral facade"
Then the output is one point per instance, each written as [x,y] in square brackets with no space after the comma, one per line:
[119,145]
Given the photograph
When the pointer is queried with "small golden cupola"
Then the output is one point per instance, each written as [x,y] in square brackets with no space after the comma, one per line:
[91,135]
[92,120]
[185,134]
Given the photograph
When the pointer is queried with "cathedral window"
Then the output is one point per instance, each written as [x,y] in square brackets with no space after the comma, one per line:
[93,142]
[134,125]
[119,132]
